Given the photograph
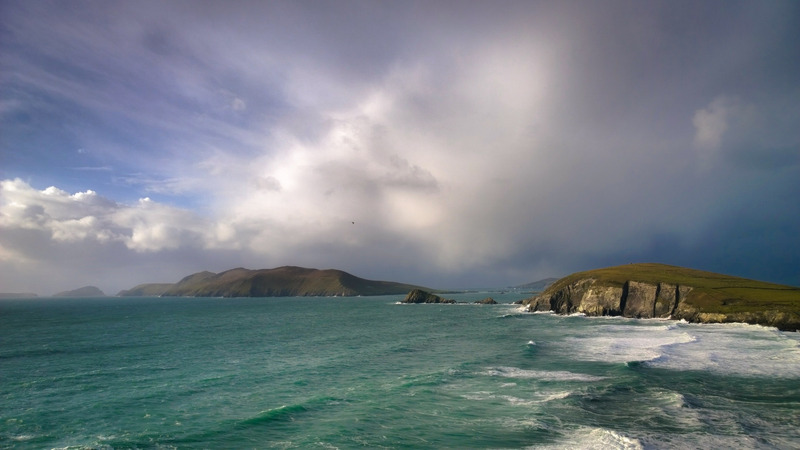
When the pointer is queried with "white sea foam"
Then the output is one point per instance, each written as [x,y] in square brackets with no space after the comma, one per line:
[596,438]
[516,401]
[625,343]
[557,395]
[546,375]
[536,398]
[738,349]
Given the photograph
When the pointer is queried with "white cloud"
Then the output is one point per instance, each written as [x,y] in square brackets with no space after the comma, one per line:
[711,123]
[146,226]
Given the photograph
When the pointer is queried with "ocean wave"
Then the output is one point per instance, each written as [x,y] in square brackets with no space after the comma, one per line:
[735,349]
[515,314]
[290,412]
[545,375]
[625,344]
[596,438]
[536,399]
[730,349]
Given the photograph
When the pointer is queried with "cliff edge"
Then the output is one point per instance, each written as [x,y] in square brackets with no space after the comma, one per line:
[662,291]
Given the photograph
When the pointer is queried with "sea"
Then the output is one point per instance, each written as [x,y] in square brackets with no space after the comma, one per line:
[369,372]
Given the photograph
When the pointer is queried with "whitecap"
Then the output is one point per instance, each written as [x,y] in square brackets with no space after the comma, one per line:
[536,399]
[546,375]
[626,343]
[596,438]
[556,396]
[735,349]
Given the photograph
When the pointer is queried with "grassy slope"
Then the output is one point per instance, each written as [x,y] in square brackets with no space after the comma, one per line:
[712,292]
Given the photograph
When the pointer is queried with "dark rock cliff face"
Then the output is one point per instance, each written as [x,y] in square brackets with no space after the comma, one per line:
[646,300]
[633,299]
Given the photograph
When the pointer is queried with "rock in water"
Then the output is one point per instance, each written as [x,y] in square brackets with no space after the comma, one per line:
[487,301]
[420,296]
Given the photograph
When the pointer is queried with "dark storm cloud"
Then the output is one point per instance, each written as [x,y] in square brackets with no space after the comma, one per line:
[477,143]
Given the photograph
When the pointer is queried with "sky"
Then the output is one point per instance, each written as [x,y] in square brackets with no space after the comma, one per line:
[442,143]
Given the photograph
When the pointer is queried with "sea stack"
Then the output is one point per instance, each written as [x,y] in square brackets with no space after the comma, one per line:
[420,296]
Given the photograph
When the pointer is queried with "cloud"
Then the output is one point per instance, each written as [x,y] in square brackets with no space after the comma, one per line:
[752,134]
[82,216]
[711,123]
[481,145]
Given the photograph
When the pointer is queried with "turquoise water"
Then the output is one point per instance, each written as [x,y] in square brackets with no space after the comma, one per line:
[370,373]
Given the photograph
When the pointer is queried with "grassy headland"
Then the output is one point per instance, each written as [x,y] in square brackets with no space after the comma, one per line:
[709,297]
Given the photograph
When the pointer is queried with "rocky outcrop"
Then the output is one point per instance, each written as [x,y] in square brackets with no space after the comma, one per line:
[783,320]
[420,296]
[487,301]
[633,299]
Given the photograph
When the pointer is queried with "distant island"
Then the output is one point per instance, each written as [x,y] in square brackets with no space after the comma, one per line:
[662,291]
[17,295]
[86,291]
[286,281]
[537,285]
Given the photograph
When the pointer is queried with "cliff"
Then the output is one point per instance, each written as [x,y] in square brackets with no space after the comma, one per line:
[661,291]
